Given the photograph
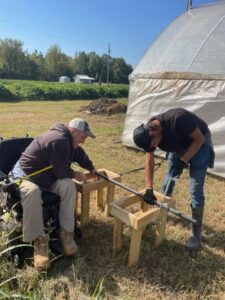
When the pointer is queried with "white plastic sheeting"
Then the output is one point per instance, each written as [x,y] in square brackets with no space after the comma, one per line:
[184,67]
[194,42]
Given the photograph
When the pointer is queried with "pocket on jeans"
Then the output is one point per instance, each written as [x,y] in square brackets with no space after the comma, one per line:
[202,157]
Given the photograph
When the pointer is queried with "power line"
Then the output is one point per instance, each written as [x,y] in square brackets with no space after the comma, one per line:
[61,27]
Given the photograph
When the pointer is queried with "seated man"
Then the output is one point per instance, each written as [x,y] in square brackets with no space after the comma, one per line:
[56,148]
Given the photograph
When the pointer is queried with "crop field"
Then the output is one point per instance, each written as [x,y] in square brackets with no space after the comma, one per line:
[167,272]
[11,90]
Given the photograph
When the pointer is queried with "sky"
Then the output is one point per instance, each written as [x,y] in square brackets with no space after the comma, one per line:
[126,27]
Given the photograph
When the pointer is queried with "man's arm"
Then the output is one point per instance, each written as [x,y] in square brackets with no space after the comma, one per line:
[197,140]
[59,153]
[149,169]
[80,157]
[149,196]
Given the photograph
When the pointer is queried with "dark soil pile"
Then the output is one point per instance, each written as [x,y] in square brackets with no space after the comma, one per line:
[104,106]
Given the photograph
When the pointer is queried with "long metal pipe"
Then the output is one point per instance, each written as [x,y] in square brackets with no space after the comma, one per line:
[161,205]
[138,169]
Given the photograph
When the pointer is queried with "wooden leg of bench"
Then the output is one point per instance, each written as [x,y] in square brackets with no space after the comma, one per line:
[117,235]
[85,206]
[99,196]
[109,197]
[144,206]
[135,246]
[76,203]
[160,227]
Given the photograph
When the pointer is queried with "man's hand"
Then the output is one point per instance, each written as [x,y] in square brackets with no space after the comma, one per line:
[149,197]
[80,176]
[177,168]
[93,173]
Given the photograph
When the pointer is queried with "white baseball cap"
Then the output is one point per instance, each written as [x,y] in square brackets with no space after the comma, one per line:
[81,125]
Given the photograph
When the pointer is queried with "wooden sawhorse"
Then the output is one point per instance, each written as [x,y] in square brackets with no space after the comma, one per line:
[85,189]
[137,221]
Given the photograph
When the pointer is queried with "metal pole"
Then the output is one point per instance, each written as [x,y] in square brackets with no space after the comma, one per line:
[139,169]
[161,205]
[108,64]
[189,4]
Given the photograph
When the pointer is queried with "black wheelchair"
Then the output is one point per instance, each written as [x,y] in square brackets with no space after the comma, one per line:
[11,212]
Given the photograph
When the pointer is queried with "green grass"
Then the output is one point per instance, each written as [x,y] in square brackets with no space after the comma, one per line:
[167,272]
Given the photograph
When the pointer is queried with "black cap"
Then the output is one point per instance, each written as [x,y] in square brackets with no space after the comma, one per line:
[142,138]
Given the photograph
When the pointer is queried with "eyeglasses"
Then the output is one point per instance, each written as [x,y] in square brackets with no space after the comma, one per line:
[84,135]
[153,127]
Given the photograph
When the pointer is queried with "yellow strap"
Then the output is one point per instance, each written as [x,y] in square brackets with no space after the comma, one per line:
[20,179]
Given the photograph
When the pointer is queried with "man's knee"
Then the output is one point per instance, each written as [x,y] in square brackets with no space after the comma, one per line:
[66,185]
[197,197]
[29,189]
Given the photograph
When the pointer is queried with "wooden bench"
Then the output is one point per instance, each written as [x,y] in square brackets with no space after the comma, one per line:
[137,221]
[85,189]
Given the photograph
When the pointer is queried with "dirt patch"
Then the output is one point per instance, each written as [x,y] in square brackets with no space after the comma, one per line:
[104,106]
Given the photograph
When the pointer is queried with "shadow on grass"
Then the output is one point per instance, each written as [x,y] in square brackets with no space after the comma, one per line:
[212,237]
[169,266]
[176,220]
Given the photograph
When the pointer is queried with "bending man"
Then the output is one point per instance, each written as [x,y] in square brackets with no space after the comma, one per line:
[187,138]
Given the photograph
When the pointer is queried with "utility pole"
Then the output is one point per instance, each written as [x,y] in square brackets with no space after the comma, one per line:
[189,4]
[108,63]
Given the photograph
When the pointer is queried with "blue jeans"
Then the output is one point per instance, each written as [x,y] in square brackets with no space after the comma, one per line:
[197,170]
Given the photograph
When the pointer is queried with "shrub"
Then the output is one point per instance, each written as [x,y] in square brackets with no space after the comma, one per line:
[5,94]
[38,90]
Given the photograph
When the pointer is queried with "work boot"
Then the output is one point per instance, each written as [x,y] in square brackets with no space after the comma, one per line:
[194,242]
[69,246]
[41,253]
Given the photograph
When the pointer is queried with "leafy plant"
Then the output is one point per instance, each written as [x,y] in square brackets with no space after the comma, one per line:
[5,93]
[38,90]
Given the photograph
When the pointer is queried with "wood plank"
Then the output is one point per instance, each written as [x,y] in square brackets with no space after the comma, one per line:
[91,186]
[109,173]
[160,227]
[85,206]
[145,218]
[76,202]
[99,197]
[109,197]
[162,198]
[128,200]
[135,246]
[120,213]
[144,205]
[117,235]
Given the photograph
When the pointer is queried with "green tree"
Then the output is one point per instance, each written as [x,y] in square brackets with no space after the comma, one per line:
[94,65]
[38,60]
[103,76]
[57,63]
[81,64]
[12,58]
[120,70]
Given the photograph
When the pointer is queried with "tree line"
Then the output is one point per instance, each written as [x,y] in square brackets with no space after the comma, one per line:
[16,63]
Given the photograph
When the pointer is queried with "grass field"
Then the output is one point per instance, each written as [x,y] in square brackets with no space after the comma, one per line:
[167,272]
